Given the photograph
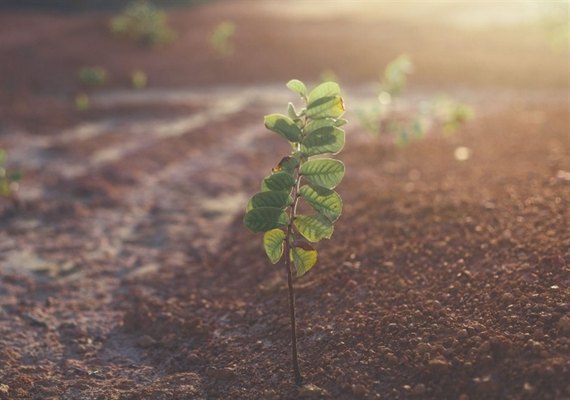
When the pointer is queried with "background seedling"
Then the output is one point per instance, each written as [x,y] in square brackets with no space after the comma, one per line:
[8,179]
[144,23]
[221,39]
[391,116]
[451,114]
[93,76]
[139,79]
[314,130]
[81,102]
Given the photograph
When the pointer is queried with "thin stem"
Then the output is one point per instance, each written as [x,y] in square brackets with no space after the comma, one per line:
[294,353]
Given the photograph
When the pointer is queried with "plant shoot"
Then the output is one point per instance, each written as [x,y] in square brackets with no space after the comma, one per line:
[303,175]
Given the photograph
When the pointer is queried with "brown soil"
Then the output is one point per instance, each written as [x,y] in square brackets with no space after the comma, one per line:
[125,271]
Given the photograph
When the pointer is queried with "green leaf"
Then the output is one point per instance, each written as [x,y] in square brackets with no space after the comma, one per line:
[3,156]
[325,101]
[315,124]
[326,172]
[273,244]
[303,258]
[327,202]
[287,164]
[326,107]
[264,188]
[263,219]
[340,122]
[271,198]
[284,126]
[292,113]
[279,181]
[313,227]
[327,139]
[327,89]
[298,87]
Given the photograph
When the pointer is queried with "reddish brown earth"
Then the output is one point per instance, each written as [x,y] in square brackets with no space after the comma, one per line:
[125,271]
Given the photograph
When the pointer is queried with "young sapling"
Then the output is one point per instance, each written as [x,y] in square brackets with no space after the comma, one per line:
[312,131]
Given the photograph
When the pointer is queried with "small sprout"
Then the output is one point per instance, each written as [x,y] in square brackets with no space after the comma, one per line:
[311,131]
[144,23]
[9,179]
[392,116]
[395,75]
[139,79]
[82,102]
[93,76]
[221,38]
[451,114]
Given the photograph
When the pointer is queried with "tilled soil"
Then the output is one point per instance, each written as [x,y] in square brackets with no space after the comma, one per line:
[445,279]
[126,273]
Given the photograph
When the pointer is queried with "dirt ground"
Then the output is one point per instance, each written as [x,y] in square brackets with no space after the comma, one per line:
[126,272]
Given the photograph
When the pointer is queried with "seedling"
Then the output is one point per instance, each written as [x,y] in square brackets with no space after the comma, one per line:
[405,122]
[144,23]
[8,179]
[312,131]
[139,79]
[393,81]
[81,102]
[221,39]
[93,76]
[451,114]
[395,77]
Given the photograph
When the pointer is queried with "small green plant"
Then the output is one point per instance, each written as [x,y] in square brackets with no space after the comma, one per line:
[8,179]
[406,123]
[144,23]
[139,79]
[221,38]
[81,102]
[93,76]
[312,131]
[395,76]
[393,81]
[451,114]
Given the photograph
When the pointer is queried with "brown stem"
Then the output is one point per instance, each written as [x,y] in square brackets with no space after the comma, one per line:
[295,357]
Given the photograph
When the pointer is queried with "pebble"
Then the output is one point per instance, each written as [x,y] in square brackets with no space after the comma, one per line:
[419,389]
[423,348]
[564,324]
[392,358]
[462,334]
[485,384]
[193,359]
[4,389]
[311,391]
[359,390]
[438,364]
[508,298]
[484,348]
